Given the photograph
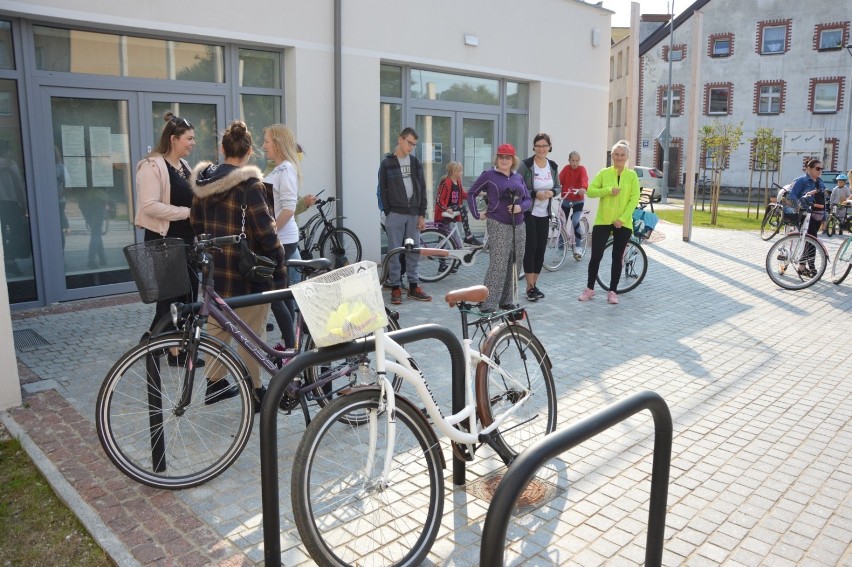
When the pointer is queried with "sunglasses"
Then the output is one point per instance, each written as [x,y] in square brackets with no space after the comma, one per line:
[180,122]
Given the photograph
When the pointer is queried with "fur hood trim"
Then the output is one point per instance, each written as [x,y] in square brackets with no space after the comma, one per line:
[208,179]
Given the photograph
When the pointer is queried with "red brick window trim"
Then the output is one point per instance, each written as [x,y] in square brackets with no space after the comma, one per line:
[718,99]
[832,147]
[677,100]
[769,97]
[831,37]
[825,95]
[773,37]
[720,45]
[678,52]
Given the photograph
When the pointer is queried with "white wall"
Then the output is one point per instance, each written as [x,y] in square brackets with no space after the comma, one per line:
[10,385]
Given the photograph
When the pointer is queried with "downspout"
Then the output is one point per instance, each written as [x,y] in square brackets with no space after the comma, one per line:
[338,109]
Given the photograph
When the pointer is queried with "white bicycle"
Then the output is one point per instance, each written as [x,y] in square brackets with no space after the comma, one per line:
[561,238]
[371,490]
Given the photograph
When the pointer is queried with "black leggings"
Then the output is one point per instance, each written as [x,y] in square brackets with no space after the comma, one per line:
[600,235]
[537,228]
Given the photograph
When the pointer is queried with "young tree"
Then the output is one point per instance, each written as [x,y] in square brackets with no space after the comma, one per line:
[719,142]
[767,155]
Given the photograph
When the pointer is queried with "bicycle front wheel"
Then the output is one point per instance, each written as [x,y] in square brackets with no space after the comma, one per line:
[155,442]
[429,268]
[556,246]
[341,246]
[795,264]
[633,269]
[772,221]
[840,268]
[345,512]
[520,355]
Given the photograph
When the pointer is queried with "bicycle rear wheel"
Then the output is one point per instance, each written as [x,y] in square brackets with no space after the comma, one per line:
[792,264]
[152,443]
[772,221]
[520,355]
[429,268]
[556,246]
[633,270]
[341,246]
[840,268]
[345,514]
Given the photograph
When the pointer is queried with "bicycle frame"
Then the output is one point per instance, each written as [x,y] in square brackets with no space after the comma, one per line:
[466,256]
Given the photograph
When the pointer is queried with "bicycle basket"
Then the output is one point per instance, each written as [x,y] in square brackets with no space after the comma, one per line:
[343,304]
[159,268]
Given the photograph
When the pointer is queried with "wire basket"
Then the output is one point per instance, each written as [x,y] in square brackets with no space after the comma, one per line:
[159,268]
[343,304]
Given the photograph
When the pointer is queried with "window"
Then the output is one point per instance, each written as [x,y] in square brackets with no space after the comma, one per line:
[612,68]
[626,61]
[722,47]
[718,98]
[618,112]
[825,95]
[610,116]
[434,85]
[620,64]
[677,53]
[769,99]
[677,97]
[517,95]
[773,39]
[830,39]
[7,55]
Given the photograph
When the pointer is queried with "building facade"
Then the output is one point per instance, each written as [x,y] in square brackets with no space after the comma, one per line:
[84,86]
[776,64]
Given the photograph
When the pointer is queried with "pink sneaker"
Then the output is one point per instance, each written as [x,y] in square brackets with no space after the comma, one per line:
[612,297]
[586,295]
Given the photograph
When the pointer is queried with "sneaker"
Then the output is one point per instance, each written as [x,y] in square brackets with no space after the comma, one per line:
[587,294]
[538,292]
[418,294]
[472,241]
[258,398]
[219,390]
[270,327]
[612,298]
[180,360]
[532,295]
[396,296]
[577,253]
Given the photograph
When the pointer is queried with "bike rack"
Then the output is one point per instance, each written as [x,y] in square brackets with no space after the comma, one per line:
[277,387]
[524,468]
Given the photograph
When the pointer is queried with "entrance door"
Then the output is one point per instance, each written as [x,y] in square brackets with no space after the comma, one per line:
[205,113]
[435,149]
[477,135]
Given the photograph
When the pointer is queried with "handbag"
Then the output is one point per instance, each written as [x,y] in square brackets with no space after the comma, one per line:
[254,268]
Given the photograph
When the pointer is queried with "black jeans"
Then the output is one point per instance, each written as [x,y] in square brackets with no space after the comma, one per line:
[537,229]
[600,235]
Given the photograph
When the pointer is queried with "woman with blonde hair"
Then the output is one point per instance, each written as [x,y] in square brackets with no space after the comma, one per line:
[617,187]
[449,201]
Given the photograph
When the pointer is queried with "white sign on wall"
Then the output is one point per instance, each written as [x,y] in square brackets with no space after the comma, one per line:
[803,141]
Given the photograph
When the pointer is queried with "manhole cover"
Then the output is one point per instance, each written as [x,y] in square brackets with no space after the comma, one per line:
[537,492]
[27,339]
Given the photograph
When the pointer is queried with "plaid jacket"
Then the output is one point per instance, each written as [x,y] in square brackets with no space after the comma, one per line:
[216,209]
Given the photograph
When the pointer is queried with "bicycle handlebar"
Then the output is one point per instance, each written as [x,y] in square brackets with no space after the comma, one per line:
[208,241]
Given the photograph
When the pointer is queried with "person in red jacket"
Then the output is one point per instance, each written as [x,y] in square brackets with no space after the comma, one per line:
[449,204]
[575,182]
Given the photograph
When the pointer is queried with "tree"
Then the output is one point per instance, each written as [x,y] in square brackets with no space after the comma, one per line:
[767,156]
[719,142]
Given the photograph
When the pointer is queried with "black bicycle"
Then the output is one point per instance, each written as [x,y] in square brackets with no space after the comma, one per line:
[159,422]
[320,237]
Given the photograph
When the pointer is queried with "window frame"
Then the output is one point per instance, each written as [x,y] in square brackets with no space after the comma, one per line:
[709,90]
[822,32]
[770,97]
[677,97]
[838,83]
[764,27]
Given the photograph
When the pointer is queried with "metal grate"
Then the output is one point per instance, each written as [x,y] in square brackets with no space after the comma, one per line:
[537,493]
[27,339]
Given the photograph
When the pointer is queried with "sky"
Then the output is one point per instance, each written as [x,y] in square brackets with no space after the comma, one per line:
[621,19]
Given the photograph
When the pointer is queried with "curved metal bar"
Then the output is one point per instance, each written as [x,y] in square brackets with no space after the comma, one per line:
[524,468]
[278,385]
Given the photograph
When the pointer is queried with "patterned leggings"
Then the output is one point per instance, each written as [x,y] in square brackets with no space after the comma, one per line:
[500,279]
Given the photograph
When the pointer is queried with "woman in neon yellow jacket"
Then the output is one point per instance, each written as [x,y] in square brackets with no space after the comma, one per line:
[617,187]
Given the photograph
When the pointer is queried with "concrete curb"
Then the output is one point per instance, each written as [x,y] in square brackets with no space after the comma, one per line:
[99,531]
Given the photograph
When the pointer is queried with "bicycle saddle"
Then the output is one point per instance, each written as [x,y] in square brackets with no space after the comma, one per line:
[314,264]
[473,294]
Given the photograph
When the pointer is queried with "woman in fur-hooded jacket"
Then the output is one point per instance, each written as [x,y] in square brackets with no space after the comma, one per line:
[217,210]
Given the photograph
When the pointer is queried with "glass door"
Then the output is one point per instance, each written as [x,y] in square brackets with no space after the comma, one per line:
[435,149]
[205,113]
[477,134]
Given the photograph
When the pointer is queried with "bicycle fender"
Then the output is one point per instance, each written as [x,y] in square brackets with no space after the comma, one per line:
[418,415]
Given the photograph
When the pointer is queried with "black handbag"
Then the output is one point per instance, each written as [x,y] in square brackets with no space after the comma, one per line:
[253,267]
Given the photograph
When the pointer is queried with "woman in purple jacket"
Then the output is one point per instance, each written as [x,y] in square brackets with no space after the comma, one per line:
[507,198]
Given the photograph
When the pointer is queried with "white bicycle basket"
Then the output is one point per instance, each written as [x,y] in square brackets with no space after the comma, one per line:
[343,304]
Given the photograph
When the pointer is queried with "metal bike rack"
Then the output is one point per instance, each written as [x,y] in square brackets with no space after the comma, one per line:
[524,468]
[277,387]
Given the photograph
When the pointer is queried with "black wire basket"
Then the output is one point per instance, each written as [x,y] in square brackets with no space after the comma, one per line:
[159,268]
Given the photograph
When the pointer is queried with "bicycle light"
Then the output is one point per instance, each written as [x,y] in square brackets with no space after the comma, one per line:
[175,309]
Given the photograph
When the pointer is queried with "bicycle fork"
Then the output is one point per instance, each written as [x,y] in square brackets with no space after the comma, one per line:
[191,350]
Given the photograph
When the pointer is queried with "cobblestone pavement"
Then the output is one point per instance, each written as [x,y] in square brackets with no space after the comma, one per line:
[757,379]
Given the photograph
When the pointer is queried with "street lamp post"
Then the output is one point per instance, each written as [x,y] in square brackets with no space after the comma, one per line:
[668,136]
[846,158]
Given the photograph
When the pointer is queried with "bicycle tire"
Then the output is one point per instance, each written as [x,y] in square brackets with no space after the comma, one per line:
[838,272]
[198,445]
[517,351]
[584,239]
[772,222]
[632,273]
[556,246]
[343,516]
[431,269]
[341,246]
[323,395]
[783,259]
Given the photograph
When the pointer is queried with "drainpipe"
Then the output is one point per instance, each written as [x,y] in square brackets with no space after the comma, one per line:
[338,109]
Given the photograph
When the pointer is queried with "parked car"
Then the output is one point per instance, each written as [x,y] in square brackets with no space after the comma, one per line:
[651,177]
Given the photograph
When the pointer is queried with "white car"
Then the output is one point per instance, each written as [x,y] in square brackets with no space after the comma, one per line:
[650,178]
